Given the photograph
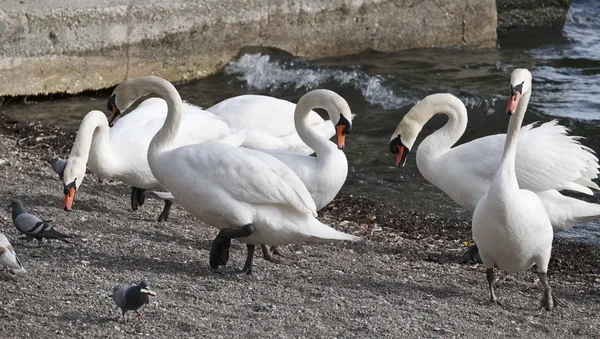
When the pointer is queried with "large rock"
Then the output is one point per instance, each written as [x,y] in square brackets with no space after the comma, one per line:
[53,46]
[524,14]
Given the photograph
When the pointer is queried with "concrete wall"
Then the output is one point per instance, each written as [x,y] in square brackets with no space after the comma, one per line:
[50,46]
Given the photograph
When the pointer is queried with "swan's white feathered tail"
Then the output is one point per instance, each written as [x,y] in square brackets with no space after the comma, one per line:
[318,231]
[571,165]
[164,195]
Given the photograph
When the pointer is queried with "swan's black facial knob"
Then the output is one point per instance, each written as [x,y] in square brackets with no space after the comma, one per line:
[111,106]
[515,95]
[401,151]
[69,191]
[342,128]
[516,88]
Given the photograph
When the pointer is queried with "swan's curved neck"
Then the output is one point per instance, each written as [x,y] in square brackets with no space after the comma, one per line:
[165,137]
[93,141]
[507,164]
[443,139]
[311,138]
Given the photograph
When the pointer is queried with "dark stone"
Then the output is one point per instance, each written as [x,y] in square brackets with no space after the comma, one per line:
[515,15]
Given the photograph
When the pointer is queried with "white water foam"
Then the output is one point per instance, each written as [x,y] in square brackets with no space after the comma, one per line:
[262,73]
[488,104]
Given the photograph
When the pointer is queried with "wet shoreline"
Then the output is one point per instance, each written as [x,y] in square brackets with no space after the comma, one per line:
[370,218]
[386,285]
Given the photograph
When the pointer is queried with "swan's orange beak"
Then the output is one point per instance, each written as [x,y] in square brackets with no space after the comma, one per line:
[115,114]
[401,151]
[513,102]
[68,203]
[400,156]
[341,137]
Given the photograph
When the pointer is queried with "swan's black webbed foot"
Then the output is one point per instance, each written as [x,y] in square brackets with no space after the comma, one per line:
[249,259]
[491,278]
[219,252]
[134,201]
[268,254]
[277,251]
[549,301]
[226,270]
[164,215]
[141,196]
[138,197]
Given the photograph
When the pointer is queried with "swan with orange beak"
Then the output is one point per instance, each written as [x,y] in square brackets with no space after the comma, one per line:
[404,136]
[342,128]
[324,174]
[73,175]
[115,114]
[516,91]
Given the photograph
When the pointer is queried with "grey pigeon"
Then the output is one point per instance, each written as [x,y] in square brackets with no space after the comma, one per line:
[133,297]
[8,257]
[58,165]
[32,226]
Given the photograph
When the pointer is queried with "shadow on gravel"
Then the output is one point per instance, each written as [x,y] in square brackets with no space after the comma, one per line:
[126,263]
[78,316]
[28,200]
[46,177]
[160,235]
[386,287]
[4,276]
[91,205]
[33,202]
[572,296]
[381,248]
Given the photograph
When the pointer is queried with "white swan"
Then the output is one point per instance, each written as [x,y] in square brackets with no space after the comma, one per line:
[325,174]
[120,152]
[271,121]
[268,124]
[510,225]
[247,194]
[547,159]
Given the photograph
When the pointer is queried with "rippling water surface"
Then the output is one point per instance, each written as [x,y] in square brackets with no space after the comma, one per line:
[381,88]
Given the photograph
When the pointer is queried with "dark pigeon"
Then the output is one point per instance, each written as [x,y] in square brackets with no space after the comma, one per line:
[32,226]
[133,297]
[58,165]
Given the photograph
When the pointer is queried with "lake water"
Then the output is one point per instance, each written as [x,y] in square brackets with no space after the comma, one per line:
[382,87]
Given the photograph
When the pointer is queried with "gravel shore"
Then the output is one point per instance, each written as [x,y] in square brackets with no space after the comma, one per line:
[386,285]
